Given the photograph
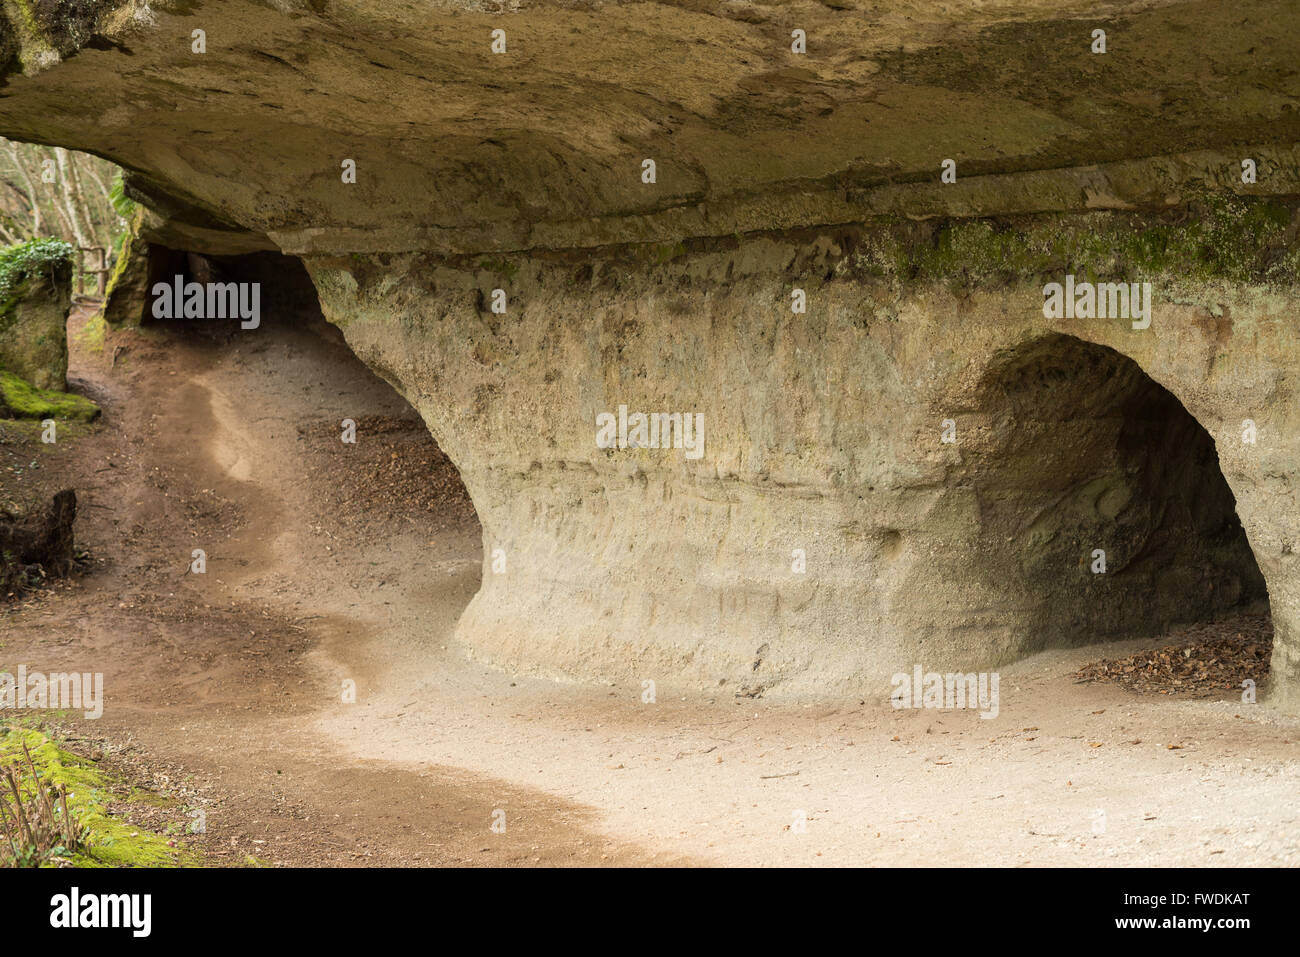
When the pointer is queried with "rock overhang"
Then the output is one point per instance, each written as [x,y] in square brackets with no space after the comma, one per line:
[459,149]
[523,171]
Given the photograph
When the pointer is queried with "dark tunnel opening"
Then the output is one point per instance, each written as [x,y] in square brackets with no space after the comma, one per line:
[1102,510]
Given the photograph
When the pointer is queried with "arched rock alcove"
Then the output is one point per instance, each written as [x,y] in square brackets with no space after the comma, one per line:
[1097,505]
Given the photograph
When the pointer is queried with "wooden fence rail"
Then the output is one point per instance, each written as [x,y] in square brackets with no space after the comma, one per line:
[100,272]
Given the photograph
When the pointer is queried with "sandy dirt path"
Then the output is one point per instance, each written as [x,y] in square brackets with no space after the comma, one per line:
[234,679]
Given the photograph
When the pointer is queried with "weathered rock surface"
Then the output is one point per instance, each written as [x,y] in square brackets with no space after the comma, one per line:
[34,305]
[824,433]
[127,293]
[773,171]
[458,149]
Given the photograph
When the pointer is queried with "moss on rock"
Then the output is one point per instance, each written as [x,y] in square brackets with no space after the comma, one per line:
[1212,237]
[127,289]
[35,297]
[22,400]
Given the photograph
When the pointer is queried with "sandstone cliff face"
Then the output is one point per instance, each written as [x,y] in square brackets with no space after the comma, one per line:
[824,433]
[824,430]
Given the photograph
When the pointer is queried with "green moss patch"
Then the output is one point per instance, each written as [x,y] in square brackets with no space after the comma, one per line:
[501,267]
[107,840]
[1213,238]
[21,400]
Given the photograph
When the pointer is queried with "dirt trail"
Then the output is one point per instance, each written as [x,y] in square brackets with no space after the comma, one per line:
[317,576]
[213,679]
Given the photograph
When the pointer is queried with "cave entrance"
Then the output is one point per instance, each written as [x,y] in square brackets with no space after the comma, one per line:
[365,453]
[1102,512]
[218,293]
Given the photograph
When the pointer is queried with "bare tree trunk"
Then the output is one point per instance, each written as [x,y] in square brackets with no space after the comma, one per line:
[71,201]
[16,203]
[65,224]
[99,181]
[79,195]
[56,192]
[27,182]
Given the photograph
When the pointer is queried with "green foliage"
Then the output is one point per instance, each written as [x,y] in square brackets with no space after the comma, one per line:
[19,262]
[122,204]
[126,208]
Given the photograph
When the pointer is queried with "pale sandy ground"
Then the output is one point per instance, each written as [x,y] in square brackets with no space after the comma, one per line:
[1067,774]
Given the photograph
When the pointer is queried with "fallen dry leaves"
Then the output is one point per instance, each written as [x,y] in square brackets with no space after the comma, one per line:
[1206,660]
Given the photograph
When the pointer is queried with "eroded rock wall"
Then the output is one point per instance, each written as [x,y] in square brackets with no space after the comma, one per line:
[823,432]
